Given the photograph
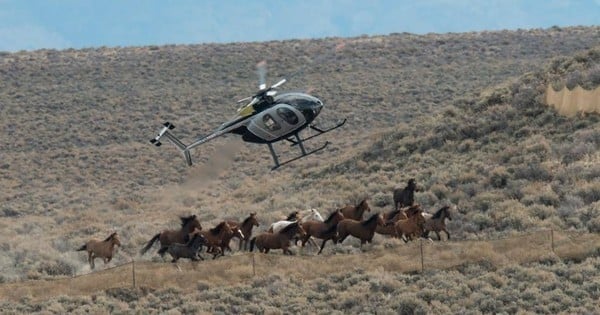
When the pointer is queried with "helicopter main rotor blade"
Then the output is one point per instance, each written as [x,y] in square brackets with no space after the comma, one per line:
[276,85]
[261,70]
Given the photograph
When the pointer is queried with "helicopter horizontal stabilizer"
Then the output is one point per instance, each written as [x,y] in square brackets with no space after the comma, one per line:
[164,132]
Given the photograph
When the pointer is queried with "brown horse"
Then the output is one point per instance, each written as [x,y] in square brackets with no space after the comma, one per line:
[405,197]
[189,250]
[280,240]
[411,227]
[181,236]
[437,223]
[356,212]
[326,230]
[390,219]
[363,230]
[246,229]
[101,249]
[217,238]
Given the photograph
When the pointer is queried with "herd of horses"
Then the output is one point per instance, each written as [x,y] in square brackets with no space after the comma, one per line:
[407,221]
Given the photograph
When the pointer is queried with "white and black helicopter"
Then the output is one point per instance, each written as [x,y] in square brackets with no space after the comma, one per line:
[268,117]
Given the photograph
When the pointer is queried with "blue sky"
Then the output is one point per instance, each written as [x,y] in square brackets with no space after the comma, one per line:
[62,24]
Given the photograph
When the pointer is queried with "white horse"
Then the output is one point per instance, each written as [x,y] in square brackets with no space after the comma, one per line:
[306,215]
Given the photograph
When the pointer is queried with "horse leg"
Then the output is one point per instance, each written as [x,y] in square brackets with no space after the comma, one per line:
[175,259]
[448,234]
[91,259]
[438,235]
[322,246]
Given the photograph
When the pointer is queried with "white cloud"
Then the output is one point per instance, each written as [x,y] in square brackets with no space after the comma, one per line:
[30,37]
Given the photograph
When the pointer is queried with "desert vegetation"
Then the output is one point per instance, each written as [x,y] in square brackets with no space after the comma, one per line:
[463,114]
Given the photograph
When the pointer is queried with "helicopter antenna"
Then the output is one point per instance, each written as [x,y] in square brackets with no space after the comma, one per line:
[261,71]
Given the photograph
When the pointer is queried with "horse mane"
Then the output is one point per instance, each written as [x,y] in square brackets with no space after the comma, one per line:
[110,236]
[186,220]
[370,220]
[331,229]
[438,213]
[292,216]
[217,229]
[330,217]
[247,219]
[393,213]
[411,184]
[289,227]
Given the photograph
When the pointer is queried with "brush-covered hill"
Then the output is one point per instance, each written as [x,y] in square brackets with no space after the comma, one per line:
[461,113]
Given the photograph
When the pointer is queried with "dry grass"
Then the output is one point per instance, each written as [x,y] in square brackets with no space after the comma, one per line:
[243,268]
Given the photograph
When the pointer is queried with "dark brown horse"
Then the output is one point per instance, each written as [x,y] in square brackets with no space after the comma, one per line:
[437,223]
[280,240]
[101,249]
[405,197]
[246,228]
[326,230]
[190,250]
[217,238]
[181,236]
[363,230]
[356,212]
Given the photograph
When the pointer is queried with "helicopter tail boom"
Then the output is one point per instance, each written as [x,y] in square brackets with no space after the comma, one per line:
[164,132]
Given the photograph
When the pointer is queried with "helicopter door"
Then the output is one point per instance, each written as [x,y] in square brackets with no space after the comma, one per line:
[276,122]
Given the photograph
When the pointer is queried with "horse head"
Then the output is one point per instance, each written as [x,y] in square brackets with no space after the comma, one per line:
[190,223]
[412,185]
[113,238]
[363,205]
[253,219]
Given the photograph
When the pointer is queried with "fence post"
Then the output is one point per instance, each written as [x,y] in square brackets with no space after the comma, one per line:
[133,271]
[422,262]
[552,240]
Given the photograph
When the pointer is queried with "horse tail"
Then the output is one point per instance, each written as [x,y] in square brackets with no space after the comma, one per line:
[252,241]
[163,250]
[150,243]
[84,247]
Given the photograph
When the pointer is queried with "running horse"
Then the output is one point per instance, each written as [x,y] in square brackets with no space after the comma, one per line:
[167,237]
[326,230]
[356,212]
[437,223]
[246,229]
[280,240]
[101,249]
[390,219]
[217,238]
[363,230]
[411,227]
[190,250]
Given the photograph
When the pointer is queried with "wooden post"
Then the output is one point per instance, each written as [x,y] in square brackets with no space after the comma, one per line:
[552,239]
[422,260]
[253,266]
[133,271]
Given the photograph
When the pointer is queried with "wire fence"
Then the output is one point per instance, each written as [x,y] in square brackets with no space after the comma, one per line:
[417,256]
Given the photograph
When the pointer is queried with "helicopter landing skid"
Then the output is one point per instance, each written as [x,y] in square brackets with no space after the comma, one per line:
[304,153]
[319,132]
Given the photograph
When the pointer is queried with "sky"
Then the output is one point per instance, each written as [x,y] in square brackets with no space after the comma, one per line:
[63,24]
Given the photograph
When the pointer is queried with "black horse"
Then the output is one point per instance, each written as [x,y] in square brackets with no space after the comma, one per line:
[405,197]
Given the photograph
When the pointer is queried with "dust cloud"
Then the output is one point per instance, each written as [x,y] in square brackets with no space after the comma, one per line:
[570,102]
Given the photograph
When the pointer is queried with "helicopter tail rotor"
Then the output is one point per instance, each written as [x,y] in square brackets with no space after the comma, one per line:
[164,132]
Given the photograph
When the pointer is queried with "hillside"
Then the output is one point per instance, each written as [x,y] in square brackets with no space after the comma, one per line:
[461,113]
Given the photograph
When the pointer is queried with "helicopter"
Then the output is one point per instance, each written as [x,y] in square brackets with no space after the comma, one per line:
[267,118]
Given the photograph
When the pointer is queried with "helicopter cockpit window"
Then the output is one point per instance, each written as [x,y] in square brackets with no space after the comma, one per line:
[288,115]
[270,123]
